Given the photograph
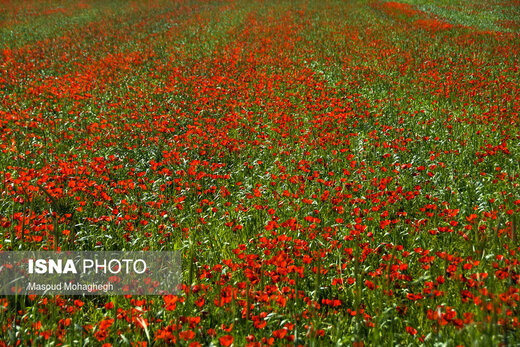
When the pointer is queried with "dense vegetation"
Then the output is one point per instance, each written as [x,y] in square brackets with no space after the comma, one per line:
[333,172]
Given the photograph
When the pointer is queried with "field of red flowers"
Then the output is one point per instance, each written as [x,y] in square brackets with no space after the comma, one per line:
[333,172]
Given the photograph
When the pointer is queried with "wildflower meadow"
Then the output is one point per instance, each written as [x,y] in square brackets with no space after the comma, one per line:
[333,172]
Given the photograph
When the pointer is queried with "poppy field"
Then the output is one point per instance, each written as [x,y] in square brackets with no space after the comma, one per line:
[333,172]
